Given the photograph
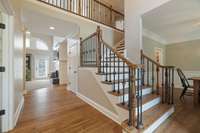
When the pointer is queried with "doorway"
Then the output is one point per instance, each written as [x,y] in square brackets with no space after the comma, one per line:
[158,55]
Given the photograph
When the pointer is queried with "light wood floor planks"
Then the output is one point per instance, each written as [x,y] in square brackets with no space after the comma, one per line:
[186,118]
[55,110]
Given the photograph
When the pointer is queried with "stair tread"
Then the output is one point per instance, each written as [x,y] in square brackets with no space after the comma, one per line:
[121,45]
[145,99]
[149,117]
[154,113]
[120,48]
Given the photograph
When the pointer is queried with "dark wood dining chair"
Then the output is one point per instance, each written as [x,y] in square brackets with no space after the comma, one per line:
[187,88]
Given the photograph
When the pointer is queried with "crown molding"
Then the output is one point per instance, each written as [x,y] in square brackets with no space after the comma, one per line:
[6,7]
[154,36]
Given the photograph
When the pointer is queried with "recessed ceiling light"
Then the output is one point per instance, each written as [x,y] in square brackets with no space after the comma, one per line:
[52,28]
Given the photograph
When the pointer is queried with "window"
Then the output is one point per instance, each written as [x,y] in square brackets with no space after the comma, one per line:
[28,44]
[41,45]
[41,69]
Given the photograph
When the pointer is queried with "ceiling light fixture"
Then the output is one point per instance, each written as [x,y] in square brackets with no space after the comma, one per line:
[52,28]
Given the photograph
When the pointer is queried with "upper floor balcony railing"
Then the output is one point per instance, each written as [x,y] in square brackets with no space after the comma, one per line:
[91,9]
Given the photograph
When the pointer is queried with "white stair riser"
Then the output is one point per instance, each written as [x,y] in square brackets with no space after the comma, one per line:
[126,85]
[112,63]
[116,77]
[150,104]
[121,85]
[108,70]
[145,106]
[112,59]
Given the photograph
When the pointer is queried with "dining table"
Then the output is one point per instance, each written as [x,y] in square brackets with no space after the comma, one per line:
[196,86]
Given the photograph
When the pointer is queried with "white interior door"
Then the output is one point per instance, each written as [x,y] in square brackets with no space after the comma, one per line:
[73,57]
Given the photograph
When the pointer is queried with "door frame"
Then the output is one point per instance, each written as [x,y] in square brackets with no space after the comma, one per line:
[8,86]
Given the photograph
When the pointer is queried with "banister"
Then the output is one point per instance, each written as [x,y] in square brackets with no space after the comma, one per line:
[119,55]
[166,76]
[156,63]
[88,10]
[93,34]
[107,6]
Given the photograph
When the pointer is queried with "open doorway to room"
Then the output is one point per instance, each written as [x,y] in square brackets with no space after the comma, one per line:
[38,60]
[171,38]
[46,50]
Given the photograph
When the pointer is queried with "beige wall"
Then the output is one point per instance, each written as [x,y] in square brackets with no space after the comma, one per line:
[89,87]
[149,46]
[185,55]
[63,63]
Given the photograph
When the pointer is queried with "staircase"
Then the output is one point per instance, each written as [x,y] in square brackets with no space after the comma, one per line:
[147,99]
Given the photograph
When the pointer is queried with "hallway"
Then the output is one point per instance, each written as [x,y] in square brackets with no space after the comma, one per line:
[55,110]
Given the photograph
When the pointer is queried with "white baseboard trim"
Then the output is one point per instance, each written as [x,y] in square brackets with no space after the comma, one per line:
[18,111]
[100,108]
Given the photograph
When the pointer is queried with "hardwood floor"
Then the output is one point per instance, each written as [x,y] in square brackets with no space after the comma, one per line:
[55,110]
[186,118]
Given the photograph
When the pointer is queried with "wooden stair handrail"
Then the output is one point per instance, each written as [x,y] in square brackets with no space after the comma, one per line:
[90,36]
[120,56]
[118,43]
[156,63]
[107,6]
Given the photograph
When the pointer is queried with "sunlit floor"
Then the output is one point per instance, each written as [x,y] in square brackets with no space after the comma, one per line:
[55,110]
[38,84]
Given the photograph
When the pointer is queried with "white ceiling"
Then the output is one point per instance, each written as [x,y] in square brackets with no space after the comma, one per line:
[176,21]
[39,23]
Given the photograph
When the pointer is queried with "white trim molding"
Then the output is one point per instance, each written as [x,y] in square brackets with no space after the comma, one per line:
[18,111]
[6,6]
[154,36]
[100,108]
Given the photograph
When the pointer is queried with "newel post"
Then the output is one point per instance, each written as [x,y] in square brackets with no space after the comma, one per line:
[98,49]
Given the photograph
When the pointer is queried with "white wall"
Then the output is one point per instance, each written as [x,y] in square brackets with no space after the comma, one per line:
[134,9]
